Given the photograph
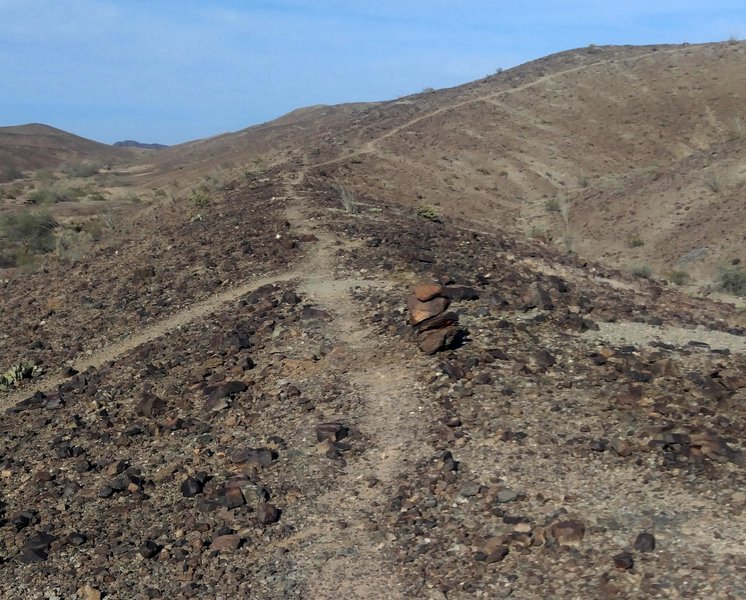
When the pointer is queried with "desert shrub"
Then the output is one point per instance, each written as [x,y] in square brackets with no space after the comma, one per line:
[10,173]
[643,271]
[714,182]
[635,241]
[733,280]
[736,131]
[199,199]
[83,169]
[33,231]
[45,177]
[428,212]
[96,197]
[49,195]
[71,243]
[552,205]
[347,198]
[679,277]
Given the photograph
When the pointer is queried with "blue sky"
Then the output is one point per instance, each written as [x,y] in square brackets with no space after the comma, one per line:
[172,71]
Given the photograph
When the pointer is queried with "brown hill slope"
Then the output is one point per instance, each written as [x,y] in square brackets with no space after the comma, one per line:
[232,403]
[226,398]
[563,132]
[37,146]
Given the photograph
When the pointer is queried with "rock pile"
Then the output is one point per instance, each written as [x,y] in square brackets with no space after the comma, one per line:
[436,329]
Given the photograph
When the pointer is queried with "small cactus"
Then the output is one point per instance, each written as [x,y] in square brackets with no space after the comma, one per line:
[17,373]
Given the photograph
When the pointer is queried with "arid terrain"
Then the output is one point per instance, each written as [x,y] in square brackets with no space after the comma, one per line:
[468,343]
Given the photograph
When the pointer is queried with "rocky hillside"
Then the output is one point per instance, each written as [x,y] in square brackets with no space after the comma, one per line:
[348,372]
[255,413]
[591,149]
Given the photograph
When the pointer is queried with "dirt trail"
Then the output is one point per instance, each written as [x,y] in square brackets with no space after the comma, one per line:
[387,414]
[112,351]
[349,561]
[370,146]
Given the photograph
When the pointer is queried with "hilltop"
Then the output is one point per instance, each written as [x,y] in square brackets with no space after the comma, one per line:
[135,144]
[37,146]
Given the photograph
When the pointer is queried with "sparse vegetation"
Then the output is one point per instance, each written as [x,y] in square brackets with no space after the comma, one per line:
[48,195]
[10,173]
[16,373]
[199,199]
[733,280]
[582,180]
[347,198]
[553,205]
[642,271]
[428,212]
[83,169]
[45,177]
[737,130]
[635,241]
[679,277]
[714,182]
[29,232]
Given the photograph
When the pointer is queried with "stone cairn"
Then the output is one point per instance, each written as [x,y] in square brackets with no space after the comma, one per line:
[435,328]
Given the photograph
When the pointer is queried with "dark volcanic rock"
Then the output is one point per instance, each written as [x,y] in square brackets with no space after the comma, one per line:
[191,487]
[645,542]
[150,406]
[149,549]
[459,293]
[267,513]
[623,560]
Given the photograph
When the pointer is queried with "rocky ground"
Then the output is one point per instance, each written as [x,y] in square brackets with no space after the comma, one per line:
[274,429]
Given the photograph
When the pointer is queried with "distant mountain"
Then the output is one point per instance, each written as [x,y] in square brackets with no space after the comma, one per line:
[135,144]
[37,146]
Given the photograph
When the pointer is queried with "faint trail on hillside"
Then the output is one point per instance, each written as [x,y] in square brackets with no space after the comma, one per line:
[370,146]
[388,415]
[184,317]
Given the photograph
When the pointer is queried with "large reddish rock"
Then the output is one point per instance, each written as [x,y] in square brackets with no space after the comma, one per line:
[437,322]
[438,339]
[427,291]
[419,311]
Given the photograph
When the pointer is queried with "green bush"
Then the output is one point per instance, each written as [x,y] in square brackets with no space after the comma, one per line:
[430,213]
[83,169]
[643,271]
[733,280]
[50,195]
[33,231]
[199,199]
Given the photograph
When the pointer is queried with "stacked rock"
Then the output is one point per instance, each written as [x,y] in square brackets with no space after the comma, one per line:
[436,329]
